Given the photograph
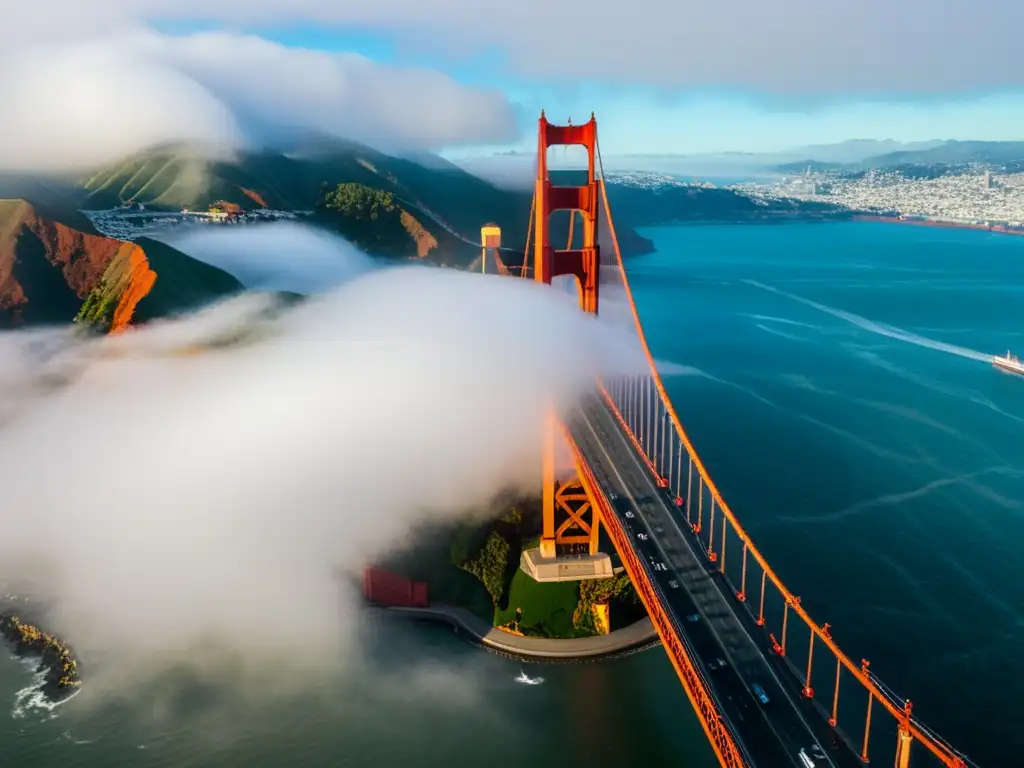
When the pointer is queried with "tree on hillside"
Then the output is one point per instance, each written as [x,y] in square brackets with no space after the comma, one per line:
[373,219]
[599,591]
[358,202]
[490,564]
[617,589]
[467,539]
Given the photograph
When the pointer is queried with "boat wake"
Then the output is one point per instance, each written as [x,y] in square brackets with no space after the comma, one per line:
[780,334]
[525,679]
[881,329]
[780,320]
[668,368]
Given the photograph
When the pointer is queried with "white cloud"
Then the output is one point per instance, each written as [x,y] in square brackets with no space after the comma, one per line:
[516,172]
[76,101]
[282,256]
[870,46]
[163,502]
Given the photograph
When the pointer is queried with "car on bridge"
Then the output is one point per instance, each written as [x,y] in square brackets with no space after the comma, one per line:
[758,691]
[814,757]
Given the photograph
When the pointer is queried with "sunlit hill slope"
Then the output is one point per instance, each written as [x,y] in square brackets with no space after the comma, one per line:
[179,177]
[53,271]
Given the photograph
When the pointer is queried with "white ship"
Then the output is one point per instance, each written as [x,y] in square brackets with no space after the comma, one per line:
[1009,363]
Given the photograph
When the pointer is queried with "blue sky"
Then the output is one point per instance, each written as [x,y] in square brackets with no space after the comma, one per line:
[663,76]
[639,118]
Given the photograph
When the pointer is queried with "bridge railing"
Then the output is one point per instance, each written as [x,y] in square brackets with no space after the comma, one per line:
[644,408]
[698,690]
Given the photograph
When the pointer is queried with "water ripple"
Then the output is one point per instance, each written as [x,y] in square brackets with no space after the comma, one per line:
[895,499]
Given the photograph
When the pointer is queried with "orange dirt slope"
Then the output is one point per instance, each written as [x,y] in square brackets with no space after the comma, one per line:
[48,268]
[256,197]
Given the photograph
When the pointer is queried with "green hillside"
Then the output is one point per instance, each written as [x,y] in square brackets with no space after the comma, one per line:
[380,223]
[683,204]
[176,178]
[55,197]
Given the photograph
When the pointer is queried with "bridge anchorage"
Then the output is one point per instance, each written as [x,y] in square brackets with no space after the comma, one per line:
[741,642]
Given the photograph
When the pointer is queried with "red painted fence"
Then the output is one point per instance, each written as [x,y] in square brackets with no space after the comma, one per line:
[390,589]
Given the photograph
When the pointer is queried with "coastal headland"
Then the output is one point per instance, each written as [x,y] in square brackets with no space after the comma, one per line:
[469,576]
[56,660]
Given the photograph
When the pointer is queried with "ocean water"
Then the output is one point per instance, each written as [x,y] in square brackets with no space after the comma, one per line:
[836,385]
[839,389]
[422,697]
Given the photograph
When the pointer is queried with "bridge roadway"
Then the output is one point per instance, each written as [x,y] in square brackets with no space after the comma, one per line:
[771,735]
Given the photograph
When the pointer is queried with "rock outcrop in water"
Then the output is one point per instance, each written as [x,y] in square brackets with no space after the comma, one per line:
[55,658]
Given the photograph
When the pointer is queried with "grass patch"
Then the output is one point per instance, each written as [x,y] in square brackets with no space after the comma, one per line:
[547,609]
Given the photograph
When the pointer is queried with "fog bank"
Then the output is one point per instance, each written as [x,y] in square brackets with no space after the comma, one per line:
[165,502]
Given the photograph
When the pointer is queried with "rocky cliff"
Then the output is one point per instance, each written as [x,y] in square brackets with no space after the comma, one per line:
[52,272]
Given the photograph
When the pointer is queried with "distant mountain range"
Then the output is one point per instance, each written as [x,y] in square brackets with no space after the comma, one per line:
[849,151]
[945,153]
[514,169]
[858,150]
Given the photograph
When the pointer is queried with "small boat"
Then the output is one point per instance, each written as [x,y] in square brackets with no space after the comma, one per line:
[527,680]
[1009,363]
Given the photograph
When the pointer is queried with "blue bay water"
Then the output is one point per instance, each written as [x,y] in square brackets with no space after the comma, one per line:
[839,388]
[836,388]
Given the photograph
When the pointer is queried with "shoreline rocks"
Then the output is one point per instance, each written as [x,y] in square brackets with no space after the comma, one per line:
[55,657]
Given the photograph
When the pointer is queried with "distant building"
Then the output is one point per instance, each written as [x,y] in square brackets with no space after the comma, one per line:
[988,180]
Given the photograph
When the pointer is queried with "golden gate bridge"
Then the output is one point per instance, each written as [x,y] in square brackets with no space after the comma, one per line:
[770,686]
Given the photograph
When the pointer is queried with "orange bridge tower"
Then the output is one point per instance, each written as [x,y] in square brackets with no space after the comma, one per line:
[569,540]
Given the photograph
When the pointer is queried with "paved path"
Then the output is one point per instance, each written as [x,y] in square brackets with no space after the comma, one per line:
[636,635]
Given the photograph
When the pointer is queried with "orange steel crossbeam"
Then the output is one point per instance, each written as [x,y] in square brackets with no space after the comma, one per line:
[722,741]
[583,263]
[568,492]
